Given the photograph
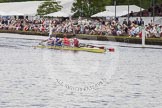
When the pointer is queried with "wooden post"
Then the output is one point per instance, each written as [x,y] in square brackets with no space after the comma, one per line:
[143,37]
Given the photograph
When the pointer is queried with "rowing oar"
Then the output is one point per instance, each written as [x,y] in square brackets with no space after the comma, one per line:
[100,47]
[93,46]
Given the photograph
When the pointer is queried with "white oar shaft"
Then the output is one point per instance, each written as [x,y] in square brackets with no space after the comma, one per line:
[50,29]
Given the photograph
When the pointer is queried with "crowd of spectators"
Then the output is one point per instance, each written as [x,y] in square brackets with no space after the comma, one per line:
[84,26]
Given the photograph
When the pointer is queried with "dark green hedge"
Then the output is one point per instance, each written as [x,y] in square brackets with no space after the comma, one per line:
[126,39]
[24,32]
[35,33]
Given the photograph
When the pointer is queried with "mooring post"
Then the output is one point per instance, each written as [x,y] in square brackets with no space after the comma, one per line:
[50,29]
[143,37]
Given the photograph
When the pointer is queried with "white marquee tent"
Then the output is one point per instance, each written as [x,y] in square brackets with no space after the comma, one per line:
[58,14]
[121,10]
[2,13]
[30,7]
[109,14]
[104,14]
[12,13]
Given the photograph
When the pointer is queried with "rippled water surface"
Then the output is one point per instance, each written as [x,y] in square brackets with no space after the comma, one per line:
[45,78]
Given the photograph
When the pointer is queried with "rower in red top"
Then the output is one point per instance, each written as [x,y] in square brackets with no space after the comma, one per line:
[66,41]
[76,42]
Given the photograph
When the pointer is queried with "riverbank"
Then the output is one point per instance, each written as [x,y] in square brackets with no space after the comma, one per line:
[125,39]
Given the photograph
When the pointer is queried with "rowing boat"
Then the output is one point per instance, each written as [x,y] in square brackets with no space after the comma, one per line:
[87,49]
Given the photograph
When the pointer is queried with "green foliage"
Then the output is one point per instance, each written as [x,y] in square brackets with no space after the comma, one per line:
[86,8]
[47,7]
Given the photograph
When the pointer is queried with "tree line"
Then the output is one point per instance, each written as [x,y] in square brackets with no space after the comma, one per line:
[86,8]
[145,3]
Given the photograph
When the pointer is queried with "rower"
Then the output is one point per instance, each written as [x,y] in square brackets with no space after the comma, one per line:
[50,41]
[76,42]
[53,42]
[66,41]
[58,42]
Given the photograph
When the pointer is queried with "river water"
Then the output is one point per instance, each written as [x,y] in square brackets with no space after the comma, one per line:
[45,78]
